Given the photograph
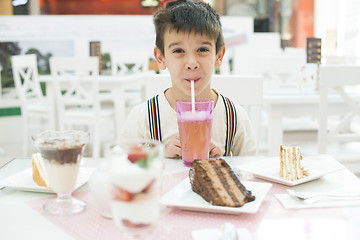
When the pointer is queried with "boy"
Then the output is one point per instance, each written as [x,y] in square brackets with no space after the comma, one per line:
[189,43]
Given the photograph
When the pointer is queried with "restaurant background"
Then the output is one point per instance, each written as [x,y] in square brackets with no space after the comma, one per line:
[99,27]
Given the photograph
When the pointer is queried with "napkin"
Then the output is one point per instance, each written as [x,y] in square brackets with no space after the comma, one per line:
[290,203]
[214,234]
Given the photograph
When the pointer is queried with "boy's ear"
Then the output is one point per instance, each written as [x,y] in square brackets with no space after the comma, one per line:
[159,58]
[219,56]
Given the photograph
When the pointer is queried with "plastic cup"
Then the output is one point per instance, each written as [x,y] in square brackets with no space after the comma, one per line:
[194,128]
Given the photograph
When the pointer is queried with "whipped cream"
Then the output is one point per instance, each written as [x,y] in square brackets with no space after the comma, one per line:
[200,116]
[130,176]
[144,208]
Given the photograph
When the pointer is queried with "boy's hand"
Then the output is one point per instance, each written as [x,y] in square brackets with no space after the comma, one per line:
[173,148]
[214,150]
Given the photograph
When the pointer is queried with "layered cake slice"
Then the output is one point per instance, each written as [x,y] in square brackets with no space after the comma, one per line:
[214,181]
[39,173]
[290,165]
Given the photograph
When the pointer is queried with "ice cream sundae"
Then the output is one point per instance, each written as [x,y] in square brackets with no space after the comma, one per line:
[61,157]
[62,163]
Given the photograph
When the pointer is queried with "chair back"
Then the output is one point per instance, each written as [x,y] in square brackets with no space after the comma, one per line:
[26,78]
[129,62]
[343,80]
[224,69]
[37,112]
[282,70]
[245,90]
[76,84]
[156,83]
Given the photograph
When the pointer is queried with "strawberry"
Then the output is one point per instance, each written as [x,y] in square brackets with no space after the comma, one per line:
[121,194]
[148,187]
[136,153]
[129,224]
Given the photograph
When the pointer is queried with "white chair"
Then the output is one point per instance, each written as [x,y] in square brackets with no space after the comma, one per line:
[343,80]
[245,90]
[0,81]
[282,71]
[77,98]
[124,63]
[224,69]
[37,111]
[155,84]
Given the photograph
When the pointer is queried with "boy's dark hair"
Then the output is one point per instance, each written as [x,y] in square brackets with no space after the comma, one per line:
[188,16]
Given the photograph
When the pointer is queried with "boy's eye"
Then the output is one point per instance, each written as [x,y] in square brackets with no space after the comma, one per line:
[203,49]
[178,50]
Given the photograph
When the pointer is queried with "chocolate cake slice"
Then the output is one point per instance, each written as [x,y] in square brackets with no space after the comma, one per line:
[214,181]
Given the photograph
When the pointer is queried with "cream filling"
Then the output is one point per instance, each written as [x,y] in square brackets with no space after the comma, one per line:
[290,167]
[234,188]
[218,185]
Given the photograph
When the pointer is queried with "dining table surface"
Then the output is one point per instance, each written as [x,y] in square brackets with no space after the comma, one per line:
[278,216]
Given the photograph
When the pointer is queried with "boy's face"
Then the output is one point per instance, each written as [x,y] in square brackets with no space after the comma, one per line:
[189,57]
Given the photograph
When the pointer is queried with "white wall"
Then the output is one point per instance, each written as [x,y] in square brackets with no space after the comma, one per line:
[325,21]
[124,32]
[341,17]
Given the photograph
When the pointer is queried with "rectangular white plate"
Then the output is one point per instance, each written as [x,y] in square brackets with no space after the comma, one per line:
[182,197]
[271,172]
[23,181]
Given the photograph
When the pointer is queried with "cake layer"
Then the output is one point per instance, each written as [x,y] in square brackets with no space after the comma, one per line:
[38,171]
[214,181]
[290,166]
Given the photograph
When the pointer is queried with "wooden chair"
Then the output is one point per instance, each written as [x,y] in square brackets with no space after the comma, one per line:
[78,98]
[37,111]
[343,80]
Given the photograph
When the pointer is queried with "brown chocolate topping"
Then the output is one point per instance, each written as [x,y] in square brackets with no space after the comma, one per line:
[62,155]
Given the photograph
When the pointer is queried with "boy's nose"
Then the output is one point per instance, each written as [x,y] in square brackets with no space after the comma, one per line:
[192,63]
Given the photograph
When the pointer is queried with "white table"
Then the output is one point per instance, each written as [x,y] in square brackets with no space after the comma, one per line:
[117,84]
[281,105]
[19,221]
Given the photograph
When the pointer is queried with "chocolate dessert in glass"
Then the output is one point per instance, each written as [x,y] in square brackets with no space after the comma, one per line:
[61,153]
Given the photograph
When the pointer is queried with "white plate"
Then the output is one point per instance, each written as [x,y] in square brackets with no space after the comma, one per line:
[273,175]
[182,197]
[269,169]
[23,181]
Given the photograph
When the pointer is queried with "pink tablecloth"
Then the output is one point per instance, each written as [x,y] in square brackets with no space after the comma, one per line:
[174,224]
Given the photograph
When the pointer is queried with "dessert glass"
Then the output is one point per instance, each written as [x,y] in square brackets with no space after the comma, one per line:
[135,175]
[61,153]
